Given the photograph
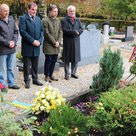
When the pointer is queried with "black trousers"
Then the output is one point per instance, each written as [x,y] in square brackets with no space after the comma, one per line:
[49,64]
[30,64]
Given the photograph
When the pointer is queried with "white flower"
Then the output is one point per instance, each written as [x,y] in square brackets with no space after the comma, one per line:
[46,104]
[58,101]
[44,101]
[52,96]
[42,95]
[41,108]
[48,97]
[101,104]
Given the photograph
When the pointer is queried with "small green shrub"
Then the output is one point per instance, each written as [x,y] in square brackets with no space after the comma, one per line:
[115,113]
[133,69]
[9,126]
[111,71]
[65,121]
[19,56]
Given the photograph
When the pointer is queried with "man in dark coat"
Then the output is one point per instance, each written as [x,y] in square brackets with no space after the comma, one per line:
[52,41]
[8,39]
[72,29]
[31,30]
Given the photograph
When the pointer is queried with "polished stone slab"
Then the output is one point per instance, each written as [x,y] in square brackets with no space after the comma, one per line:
[90,45]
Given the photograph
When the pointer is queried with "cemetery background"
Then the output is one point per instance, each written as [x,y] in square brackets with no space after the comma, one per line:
[73,88]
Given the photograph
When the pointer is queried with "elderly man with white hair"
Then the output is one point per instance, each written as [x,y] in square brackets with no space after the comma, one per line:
[8,39]
[72,29]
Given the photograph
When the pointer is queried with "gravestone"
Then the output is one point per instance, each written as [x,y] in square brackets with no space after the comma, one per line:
[16,71]
[129,34]
[106,34]
[90,45]
[83,25]
[112,30]
[91,26]
[16,68]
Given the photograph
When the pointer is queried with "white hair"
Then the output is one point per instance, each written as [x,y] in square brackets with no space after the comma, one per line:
[71,7]
[3,6]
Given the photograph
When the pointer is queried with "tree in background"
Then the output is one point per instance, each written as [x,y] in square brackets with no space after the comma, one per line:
[7,1]
[111,9]
[125,9]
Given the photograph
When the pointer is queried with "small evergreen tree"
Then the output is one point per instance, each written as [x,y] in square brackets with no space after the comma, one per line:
[111,71]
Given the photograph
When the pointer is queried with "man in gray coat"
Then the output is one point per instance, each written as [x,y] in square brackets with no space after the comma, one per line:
[8,39]
[72,29]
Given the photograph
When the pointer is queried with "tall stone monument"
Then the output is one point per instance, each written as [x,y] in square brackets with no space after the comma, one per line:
[106,34]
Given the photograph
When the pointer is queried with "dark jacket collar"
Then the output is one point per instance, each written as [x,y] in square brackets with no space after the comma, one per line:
[28,16]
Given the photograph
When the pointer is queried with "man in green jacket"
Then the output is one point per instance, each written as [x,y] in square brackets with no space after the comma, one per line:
[52,41]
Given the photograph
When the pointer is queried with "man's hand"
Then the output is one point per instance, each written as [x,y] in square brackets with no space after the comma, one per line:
[36,43]
[57,44]
[77,33]
[11,44]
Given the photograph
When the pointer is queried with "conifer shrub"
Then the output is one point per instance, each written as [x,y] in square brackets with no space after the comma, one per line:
[115,113]
[65,121]
[111,71]
[133,69]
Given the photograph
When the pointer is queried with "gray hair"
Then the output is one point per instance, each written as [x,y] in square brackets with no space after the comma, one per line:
[71,7]
[3,6]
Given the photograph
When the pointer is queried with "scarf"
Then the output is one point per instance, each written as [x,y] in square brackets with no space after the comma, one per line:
[72,19]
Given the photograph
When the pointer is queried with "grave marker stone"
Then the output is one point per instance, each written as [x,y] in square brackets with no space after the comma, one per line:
[129,34]
[90,45]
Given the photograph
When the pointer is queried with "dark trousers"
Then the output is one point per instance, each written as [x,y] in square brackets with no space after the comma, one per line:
[30,64]
[49,64]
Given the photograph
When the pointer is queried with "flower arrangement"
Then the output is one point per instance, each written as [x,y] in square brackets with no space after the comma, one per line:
[47,99]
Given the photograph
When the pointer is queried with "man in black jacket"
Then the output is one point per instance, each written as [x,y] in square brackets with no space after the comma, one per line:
[72,29]
[8,39]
